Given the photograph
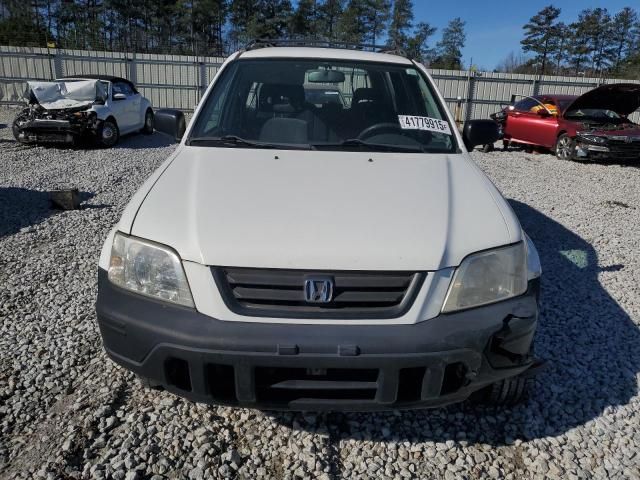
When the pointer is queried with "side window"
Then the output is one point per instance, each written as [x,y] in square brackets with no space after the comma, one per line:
[252,98]
[525,105]
[210,118]
[121,87]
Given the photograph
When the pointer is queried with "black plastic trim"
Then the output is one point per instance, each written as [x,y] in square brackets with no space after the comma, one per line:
[316,312]
[146,336]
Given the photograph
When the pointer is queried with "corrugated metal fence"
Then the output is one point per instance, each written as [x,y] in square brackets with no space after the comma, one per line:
[178,81]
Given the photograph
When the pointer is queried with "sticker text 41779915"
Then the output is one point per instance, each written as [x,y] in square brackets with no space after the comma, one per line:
[411,122]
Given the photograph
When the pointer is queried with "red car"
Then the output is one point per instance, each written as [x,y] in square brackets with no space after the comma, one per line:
[592,126]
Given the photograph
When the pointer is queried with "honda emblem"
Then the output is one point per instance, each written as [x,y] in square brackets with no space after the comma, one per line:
[318,290]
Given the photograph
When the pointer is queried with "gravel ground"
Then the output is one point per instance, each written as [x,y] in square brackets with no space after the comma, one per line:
[66,411]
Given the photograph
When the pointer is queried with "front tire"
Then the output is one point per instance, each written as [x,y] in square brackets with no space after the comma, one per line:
[148,122]
[16,129]
[564,147]
[108,133]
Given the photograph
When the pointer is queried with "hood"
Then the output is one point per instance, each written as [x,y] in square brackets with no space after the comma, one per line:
[324,210]
[67,93]
[625,129]
[622,98]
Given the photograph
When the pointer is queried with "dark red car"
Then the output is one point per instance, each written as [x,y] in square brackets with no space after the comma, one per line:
[592,126]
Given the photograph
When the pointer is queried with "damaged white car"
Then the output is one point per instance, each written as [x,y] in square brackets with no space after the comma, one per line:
[99,108]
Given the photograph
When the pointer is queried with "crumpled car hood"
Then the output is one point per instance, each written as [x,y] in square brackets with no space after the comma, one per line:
[61,94]
[622,98]
[323,210]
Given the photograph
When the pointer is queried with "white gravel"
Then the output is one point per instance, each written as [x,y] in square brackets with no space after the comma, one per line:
[67,412]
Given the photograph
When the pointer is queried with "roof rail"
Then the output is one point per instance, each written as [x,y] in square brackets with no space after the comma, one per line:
[321,43]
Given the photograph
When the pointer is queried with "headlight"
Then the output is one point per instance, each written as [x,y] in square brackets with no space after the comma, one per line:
[488,277]
[592,138]
[149,269]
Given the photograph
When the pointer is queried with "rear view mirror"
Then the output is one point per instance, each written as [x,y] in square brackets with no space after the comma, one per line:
[480,132]
[170,122]
[326,76]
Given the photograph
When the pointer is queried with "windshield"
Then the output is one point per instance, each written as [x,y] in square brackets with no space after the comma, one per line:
[323,105]
[597,114]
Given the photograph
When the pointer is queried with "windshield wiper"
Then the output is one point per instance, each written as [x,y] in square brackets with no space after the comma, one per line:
[235,141]
[356,142]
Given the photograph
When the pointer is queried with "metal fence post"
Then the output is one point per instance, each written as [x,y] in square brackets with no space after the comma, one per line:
[535,86]
[131,74]
[58,65]
[202,79]
[471,91]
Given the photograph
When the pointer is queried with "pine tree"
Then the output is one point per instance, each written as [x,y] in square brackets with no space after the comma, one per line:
[376,16]
[303,20]
[597,27]
[271,19]
[623,35]
[560,44]
[578,48]
[449,48]
[418,48]
[329,14]
[541,35]
[352,26]
[401,22]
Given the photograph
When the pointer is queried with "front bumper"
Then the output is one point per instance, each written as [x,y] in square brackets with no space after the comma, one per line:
[317,367]
[618,151]
[52,131]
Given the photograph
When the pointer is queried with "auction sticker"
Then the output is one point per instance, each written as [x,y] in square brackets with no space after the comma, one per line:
[411,122]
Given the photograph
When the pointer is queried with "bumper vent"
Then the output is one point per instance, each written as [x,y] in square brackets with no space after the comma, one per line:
[624,151]
[281,293]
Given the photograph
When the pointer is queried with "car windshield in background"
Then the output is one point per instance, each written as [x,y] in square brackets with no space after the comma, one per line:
[596,114]
[323,105]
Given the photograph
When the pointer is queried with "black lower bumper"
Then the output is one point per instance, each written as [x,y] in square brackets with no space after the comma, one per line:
[317,367]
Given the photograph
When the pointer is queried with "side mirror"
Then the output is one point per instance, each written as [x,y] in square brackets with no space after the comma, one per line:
[480,132]
[119,96]
[543,113]
[170,122]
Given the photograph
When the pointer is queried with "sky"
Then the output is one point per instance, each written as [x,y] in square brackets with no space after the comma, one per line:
[494,27]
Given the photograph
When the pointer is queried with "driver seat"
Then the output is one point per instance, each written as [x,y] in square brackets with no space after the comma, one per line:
[369,108]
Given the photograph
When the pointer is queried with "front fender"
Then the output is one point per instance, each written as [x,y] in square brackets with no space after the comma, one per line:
[102,111]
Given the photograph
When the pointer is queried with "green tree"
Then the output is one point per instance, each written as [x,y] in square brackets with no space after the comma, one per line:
[241,15]
[352,26]
[271,19]
[22,25]
[376,17]
[401,22]
[329,13]
[418,45]
[597,27]
[449,48]
[541,35]
[304,19]
[578,48]
[623,35]
[560,44]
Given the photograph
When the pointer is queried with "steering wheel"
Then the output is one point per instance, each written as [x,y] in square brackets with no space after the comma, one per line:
[369,131]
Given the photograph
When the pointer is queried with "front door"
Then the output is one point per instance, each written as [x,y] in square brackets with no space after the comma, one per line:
[529,122]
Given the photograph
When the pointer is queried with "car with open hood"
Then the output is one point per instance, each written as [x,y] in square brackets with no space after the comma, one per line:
[339,255]
[96,107]
[593,126]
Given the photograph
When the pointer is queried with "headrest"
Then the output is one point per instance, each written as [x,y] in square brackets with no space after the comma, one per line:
[365,95]
[272,94]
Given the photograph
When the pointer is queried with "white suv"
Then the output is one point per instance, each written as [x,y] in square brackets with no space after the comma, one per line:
[347,256]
